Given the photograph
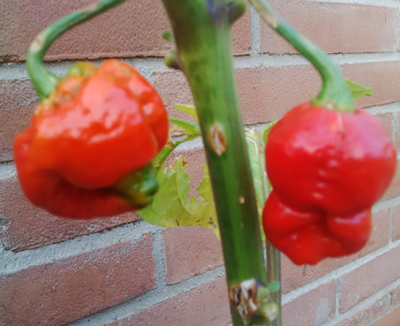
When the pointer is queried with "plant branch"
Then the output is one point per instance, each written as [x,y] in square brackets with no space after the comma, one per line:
[43,80]
[202,31]
[334,93]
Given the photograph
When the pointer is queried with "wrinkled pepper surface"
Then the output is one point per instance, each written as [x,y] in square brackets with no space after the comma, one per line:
[88,150]
[327,168]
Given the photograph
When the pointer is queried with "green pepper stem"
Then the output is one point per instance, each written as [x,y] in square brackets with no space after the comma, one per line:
[202,32]
[43,80]
[334,93]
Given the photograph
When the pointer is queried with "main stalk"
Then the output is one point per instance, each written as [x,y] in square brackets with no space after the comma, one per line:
[202,30]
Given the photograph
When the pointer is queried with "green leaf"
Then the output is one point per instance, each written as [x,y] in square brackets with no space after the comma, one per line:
[189,129]
[358,91]
[167,36]
[172,206]
[186,127]
[187,108]
[274,286]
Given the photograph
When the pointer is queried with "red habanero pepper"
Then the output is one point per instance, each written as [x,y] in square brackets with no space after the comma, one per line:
[88,150]
[327,169]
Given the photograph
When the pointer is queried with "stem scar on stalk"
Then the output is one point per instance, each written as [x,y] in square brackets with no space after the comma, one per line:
[217,139]
[252,301]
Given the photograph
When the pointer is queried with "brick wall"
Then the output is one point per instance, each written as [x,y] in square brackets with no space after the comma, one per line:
[123,271]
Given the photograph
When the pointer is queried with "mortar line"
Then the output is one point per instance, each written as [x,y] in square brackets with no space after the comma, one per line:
[337,273]
[363,304]
[12,262]
[381,3]
[149,66]
[255,32]
[149,299]
[159,255]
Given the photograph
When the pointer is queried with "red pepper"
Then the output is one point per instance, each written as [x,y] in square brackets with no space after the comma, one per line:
[327,169]
[99,128]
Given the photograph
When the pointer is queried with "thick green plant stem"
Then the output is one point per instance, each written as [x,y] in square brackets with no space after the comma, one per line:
[202,31]
[43,80]
[334,93]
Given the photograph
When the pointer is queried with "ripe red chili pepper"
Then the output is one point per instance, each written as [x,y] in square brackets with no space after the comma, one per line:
[327,169]
[87,151]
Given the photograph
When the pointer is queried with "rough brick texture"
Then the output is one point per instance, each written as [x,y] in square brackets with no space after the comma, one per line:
[190,251]
[205,305]
[18,99]
[130,30]
[395,297]
[336,28]
[369,313]
[381,76]
[24,226]
[265,94]
[366,280]
[72,288]
[392,319]
[313,308]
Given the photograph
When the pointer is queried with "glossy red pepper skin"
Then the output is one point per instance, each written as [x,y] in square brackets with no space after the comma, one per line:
[98,126]
[327,169]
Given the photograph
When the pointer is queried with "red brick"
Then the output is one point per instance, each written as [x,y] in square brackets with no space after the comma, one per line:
[394,187]
[75,287]
[392,319]
[130,30]
[344,24]
[396,223]
[265,94]
[395,297]
[368,314]
[205,305]
[18,99]
[397,132]
[190,251]
[369,278]
[24,226]
[383,77]
[195,159]
[313,308]
[387,122]
[294,276]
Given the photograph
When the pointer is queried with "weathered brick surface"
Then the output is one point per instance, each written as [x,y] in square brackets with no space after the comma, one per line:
[368,314]
[383,77]
[130,30]
[268,93]
[265,93]
[392,319]
[336,28]
[24,226]
[294,276]
[190,251]
[396,223]
[394,187]
[395,297]
[366,280]
[75,287]
[18,99]
[387,122]
[205,305]
[313,308]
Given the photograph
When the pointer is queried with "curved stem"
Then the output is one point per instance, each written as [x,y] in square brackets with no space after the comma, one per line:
[43,80]
[334,93]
